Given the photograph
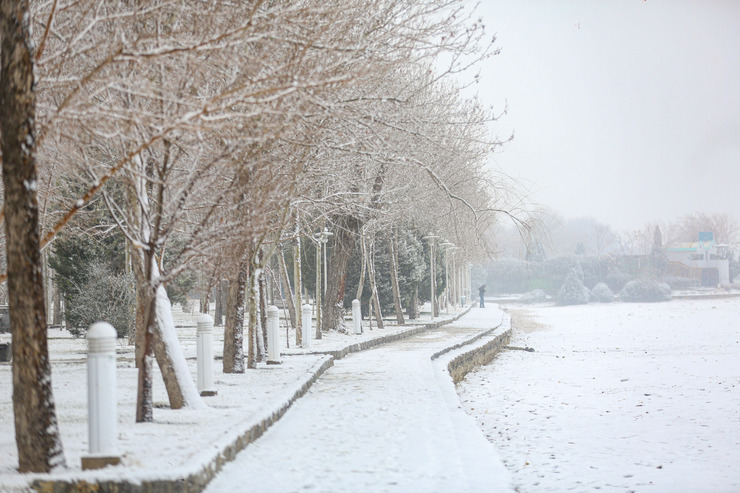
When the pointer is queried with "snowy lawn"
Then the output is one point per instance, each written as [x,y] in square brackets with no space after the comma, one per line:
[619,397]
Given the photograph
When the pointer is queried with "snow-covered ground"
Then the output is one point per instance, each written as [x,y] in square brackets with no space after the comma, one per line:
[178,441]
[381,420]
[617,397]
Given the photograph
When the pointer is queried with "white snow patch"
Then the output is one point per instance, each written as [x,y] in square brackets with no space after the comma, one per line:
[166,322]
[619,397]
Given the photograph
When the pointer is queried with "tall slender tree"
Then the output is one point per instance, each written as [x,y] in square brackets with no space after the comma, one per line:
[36,431]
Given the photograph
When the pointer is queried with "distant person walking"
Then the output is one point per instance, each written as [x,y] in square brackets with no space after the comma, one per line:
[482,293]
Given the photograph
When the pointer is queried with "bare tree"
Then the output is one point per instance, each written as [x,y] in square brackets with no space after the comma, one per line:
[36,430]
[724,227]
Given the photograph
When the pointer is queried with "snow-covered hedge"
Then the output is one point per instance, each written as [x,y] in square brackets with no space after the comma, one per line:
[104,296]
[573,292]
[681,282]
[617,280]
[645,290]
[602,294]
[534,296]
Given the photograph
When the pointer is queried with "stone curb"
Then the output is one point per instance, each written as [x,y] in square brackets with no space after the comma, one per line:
[197,481]
[379,341]
[483,353]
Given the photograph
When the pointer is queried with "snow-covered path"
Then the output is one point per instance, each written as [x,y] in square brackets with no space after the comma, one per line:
[387,419]
[619,397]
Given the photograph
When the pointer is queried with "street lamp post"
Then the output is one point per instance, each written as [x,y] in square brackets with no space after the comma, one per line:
[448,246]
[432,280]
[317,295]
[324,239]
[321,239]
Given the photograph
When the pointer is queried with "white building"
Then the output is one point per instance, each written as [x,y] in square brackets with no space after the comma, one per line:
[703,260]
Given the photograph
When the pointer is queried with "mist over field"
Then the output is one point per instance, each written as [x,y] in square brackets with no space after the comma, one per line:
[625,111]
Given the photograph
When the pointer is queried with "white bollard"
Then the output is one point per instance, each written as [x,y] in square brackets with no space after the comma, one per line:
[356,317]
[204,345]
[306,321]
[273,335]
[102,414]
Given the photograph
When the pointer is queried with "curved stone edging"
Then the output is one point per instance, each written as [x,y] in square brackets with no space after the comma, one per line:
[464,363]
[379,341]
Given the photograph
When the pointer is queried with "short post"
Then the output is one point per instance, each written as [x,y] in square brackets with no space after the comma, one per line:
[273,335]
[204,345]
[102,414]
[356,317]
[306,321]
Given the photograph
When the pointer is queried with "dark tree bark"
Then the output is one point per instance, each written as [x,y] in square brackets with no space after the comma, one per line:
[145,387]
[57,302]
[413,306]
[218,315]
[394,278]
[154,343]
[374,287]
[36,430]
[262,281]
[345,237]
[252,351]
[234,327]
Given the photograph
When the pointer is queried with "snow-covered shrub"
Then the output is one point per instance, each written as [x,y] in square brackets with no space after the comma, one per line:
[645,290]
[617,280]
[681,282]
[559,268]
[573,292]
[534,296]
[105,296]
[602,294]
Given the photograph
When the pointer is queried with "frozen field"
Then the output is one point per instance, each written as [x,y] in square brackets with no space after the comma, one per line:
[619,397]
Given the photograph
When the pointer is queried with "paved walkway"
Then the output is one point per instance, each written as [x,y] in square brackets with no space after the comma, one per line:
[386,419]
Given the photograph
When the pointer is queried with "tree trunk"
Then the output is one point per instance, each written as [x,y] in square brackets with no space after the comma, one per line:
[297,286]
[252,327]
[413,307]
[234,329]
[394,279]
[46,277]
[218,314]
[141,322]
[181,388]
[363,256]
[374,286]
[157,325]
[36,430]
[287,291]
[160,340]
[205,301]
[57,301]
[344,244]
[262,282]
[145,386]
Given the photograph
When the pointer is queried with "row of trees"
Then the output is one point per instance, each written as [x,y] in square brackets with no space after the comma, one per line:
[209,137]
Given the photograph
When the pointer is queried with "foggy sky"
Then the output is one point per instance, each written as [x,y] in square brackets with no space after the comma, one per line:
[624,110]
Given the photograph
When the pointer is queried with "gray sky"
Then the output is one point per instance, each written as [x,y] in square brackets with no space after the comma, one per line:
[624,110]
